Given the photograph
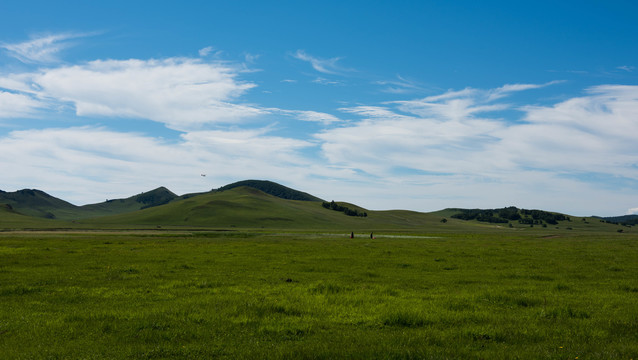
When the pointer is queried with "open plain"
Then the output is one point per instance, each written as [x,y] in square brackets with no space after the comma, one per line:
[522,293]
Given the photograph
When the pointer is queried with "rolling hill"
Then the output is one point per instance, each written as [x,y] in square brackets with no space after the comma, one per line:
[156,197]
[237,207]
[37,203]
[260,204]
[272,188]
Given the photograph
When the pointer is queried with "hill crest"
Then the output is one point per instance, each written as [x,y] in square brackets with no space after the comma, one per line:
[272,188]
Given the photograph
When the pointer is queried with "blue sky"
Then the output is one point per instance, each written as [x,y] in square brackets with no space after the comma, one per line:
[386,104]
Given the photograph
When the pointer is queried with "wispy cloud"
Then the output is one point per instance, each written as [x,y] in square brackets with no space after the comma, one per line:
[179,92]
[626,68]
[460,104]
[42,49]
[508,89]
[326,66]
[307,115]
[399,86]
[205,51]
[18,105]
[324,81]
[452,145]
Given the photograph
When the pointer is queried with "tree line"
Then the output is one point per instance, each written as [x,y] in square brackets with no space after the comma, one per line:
[512,213]
[336,207]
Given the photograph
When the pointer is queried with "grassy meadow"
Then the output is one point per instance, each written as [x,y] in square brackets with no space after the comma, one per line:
[252,294]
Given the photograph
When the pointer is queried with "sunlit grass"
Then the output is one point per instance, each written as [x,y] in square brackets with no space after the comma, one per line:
[267,295]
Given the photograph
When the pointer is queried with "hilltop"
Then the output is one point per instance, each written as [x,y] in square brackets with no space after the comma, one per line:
[37,203]
[272,188]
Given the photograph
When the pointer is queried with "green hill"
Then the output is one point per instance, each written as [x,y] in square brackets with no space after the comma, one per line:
[157,197]
[272,188]
[624,219]
[37,203]
[243,206]
[247,207]
[10,219]
[254,204]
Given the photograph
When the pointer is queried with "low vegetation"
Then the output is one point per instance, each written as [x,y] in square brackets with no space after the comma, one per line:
[344,209]
[247,294]
[505,215]
[245,272]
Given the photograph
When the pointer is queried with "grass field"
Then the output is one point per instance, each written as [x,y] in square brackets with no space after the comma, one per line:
[188,295]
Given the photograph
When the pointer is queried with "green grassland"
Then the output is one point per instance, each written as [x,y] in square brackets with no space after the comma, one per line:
[264,271]
[497,294]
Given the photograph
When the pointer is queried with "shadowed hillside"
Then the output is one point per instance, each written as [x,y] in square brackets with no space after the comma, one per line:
[157,197]
[274,189]
[40,204]
[37,203]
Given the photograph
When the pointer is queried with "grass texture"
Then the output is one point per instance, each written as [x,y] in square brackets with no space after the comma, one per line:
[246,295]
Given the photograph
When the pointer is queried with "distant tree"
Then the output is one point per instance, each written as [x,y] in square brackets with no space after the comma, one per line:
[336,207]
[444,220]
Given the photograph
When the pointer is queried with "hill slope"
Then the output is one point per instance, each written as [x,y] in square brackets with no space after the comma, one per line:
[37,203]
[10,219]
[156,197]
[247,207]
[272,188]
[624,219]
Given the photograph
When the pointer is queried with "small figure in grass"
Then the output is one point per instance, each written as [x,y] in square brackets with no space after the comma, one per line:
[352,235]
[371,236]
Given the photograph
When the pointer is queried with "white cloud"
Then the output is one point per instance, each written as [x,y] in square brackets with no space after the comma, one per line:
[632,211]
[43,49]
[399,86]
[312,116]
[378,112]
[17,105]
[441,148]
[626,68]
[326,66]
[205,51]
[593,133]
[324,81]
[179,92]
[507,89]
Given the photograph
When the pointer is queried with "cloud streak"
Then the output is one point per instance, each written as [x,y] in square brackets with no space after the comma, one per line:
[18,105]
[326,66]
[42,49]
